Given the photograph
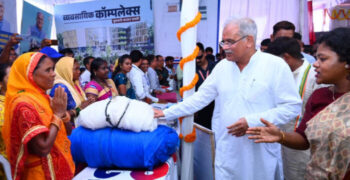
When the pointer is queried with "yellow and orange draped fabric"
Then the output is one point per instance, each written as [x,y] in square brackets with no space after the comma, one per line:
[2,111]
[21,88]
[64,75]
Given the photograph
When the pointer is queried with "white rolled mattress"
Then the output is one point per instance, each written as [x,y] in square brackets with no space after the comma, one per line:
[124,113]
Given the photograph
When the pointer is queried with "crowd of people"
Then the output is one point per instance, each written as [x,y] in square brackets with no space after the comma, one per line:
[253,100]
[47,90]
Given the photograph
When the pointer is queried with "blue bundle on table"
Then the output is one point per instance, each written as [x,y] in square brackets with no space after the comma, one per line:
[110,147]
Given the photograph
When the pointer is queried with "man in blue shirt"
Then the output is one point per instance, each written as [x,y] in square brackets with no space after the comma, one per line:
[308,57]
[287,29]
[37,29]
[4,25]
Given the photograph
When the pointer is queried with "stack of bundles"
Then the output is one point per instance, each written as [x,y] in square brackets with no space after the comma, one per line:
[110,147]
[120,112]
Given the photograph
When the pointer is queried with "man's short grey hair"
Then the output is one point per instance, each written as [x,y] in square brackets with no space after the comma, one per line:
[246,26]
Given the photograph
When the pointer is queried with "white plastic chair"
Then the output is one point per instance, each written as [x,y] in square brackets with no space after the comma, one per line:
[6,166]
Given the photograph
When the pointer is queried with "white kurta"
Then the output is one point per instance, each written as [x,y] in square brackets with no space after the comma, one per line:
[136,77]
[310,84]
[295,161]
[146,87]
[85,78]
[264,89]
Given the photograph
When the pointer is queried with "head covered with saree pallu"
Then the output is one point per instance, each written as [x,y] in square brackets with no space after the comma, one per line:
[64,75]
[27,114]
[329,136]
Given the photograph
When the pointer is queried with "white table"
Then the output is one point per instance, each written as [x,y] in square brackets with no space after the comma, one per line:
[167,171]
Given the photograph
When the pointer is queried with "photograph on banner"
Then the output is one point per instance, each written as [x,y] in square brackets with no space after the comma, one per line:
[8,21]
[106,29]
[36,26]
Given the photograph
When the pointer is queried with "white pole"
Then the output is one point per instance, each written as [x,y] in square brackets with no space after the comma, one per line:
[188,44]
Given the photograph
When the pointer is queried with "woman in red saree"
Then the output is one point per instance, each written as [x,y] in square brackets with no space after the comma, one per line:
[34,129]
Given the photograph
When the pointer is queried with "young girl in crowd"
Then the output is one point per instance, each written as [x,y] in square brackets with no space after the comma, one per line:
[120,79]
[100,87]
[325,127]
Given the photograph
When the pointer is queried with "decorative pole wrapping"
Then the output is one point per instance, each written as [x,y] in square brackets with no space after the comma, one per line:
[187,34]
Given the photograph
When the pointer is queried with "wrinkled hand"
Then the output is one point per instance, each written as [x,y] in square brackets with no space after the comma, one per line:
[238,128]
[59,102]
[14,39]
[158,113]
[268,134]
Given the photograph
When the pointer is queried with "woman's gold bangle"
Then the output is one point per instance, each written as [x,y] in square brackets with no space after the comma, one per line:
[283,137]
[66,118]
[56,121]
[74,112]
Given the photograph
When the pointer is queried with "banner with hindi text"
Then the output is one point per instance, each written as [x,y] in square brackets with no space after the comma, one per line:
[106,29]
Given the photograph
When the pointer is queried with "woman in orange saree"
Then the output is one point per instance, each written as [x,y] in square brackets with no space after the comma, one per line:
[35,136]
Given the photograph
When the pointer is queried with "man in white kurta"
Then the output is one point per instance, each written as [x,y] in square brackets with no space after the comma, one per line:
[136,79]
[85,77]
[247,85]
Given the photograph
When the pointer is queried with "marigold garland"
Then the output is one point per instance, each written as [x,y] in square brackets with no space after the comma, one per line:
[190,86]
[188,25]
[189,138]
[336,14]
[180,119]
[189,58]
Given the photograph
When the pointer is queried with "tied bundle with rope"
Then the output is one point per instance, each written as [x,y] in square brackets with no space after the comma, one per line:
[120,112]
[110,147]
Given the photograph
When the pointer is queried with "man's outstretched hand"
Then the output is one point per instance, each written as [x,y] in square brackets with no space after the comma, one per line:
[158,113]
